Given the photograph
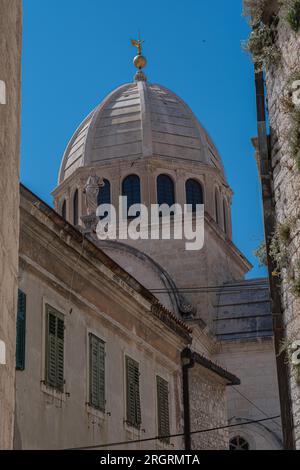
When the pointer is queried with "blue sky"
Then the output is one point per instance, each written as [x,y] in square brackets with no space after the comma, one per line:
[77,51]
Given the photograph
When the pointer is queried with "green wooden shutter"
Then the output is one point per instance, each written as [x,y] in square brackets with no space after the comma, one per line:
[163,408]
[21,326]
[97,372]
[133,393]
[55,350]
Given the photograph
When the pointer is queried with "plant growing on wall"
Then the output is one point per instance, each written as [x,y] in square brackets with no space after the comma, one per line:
[279,243]
[254,9]
[262,47]
[261,43]
[291,13]
[261,254]
[292,109]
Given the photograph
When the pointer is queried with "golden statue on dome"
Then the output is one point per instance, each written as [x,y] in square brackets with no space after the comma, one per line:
[139,60]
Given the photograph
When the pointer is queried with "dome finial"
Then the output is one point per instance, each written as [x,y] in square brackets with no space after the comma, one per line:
[139,60]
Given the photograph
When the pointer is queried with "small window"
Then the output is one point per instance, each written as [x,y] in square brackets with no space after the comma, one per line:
[225,217]
[194,193]
[133,412]
[96,373]
[238,443]
[21,326]
[165,190]
[75,208]
[55,336]
[217,215]
[104,193]
[131,188]
[64,210]
[163,409]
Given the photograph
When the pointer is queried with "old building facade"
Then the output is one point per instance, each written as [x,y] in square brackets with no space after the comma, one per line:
[109,331]
[65,275]
[10,77]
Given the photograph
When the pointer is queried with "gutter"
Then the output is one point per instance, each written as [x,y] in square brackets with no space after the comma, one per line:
[188,362]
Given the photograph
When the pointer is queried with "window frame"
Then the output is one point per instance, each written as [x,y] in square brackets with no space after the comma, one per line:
[20,363]
[137,198]
[135,423]
[60,316]
[160,435]
[89,377]
[75,207]
[200,186]
[171,180]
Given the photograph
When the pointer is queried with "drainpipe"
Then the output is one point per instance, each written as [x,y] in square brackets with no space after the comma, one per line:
[266,177]
[188,362]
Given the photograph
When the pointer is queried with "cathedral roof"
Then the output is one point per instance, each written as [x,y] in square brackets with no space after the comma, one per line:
[139,120]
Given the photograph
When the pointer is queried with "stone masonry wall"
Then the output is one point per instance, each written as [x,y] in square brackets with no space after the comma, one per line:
[208,410]
[10,50]
[286,181]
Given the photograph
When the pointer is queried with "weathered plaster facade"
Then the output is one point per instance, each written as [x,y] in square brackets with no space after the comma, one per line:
[10,76]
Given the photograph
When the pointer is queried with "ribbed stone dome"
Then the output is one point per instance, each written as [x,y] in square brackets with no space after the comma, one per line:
[139,120]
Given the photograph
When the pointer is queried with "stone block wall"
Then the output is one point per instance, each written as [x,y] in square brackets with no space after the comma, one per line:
[10,51]
[286,184]
[208,410]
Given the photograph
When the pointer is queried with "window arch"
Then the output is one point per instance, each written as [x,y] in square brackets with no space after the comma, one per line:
[75,208]
[238,443]
[225,216]
[104,193]
[131,188]
[64,209]
[165,190]
[217,210]
[194,193]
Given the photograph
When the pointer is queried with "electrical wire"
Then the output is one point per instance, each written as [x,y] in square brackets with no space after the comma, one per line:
[255,406]
[148,439]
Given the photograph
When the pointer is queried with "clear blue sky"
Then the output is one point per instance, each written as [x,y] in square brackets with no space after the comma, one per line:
[76,51]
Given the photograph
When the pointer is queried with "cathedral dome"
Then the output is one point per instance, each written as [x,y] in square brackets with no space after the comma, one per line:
[139,120]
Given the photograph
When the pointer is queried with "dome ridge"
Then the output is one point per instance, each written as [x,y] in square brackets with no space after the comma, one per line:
[139,120]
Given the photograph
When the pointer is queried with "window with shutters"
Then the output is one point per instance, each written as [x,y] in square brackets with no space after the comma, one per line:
[55,335]
[96,373]
[133,411]
[21,326]
[163,417]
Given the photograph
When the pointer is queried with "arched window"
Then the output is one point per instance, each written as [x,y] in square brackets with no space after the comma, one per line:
[194,193]
[225,216]
[104,193]
[75,208]
[238,443]
[165,190]
[217,214]
[64,210]
[131,188]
